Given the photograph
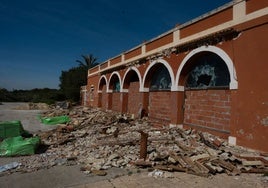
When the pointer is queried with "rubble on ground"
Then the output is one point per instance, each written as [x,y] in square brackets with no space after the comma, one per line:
[99,140]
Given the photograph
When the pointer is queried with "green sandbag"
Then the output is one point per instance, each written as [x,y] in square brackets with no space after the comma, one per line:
[54,120]
[16,146]
[12,129]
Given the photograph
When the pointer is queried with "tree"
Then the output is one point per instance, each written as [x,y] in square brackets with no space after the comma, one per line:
[88,62]
[45,95]
[72,80]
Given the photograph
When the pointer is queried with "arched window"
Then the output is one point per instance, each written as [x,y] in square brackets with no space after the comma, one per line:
[114,82]
[116,86]
[160,79]
[102,83]
[208,71]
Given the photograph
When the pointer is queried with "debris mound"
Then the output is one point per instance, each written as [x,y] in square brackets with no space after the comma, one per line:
[98,140]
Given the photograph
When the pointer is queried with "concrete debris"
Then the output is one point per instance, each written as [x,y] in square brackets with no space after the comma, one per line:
[99,140]
[160,174]
[9,166]
[63,105]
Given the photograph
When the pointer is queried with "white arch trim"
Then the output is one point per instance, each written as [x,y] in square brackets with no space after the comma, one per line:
[120,82]
[166,64]
[103,76]
[138,73]
[233,79]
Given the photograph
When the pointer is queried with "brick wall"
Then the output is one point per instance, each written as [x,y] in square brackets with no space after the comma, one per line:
[208,108]
[116,102]
[159,107]
[103,98]
[134,98]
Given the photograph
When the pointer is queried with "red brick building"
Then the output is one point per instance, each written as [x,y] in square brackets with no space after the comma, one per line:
[210,73]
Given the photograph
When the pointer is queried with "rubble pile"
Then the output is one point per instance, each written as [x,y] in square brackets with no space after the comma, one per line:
[99,140]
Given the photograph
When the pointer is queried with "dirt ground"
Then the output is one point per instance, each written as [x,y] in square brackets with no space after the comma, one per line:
[28,118]
[71,176]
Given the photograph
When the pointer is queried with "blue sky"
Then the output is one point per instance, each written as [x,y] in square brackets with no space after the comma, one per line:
[41,38]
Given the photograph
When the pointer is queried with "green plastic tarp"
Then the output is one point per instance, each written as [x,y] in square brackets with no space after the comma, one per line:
[16,146]
[54,120]
[12,129]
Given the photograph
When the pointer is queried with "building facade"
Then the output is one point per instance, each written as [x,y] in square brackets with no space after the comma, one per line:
[210,74]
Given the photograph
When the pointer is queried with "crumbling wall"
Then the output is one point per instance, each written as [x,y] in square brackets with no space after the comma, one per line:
[239,110]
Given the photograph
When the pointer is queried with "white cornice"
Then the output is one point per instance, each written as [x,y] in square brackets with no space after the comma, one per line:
[238,20]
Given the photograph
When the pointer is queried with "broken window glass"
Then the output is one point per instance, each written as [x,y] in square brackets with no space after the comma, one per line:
[116,86]
[209,71]
[161,79]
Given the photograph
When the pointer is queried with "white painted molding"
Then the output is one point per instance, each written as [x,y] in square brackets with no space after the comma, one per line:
[239,10]
[122,57]
[138,73]
[174,88]
[124,90]
[220,53]
[176,36]
[119,77]
[144,90]
[143,49]
[109,91]
[166,64]
[103,77]
[180,88]
[238,20]
[177,88]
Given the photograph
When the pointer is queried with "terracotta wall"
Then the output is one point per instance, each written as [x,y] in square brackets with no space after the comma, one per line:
[252,5]
[115,60]
[211,21]
[242,112]
[104,65]
[95,69]
[250,107]
[159,42]
[133,53]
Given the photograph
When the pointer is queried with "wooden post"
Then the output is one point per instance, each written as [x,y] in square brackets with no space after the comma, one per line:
[143,145]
